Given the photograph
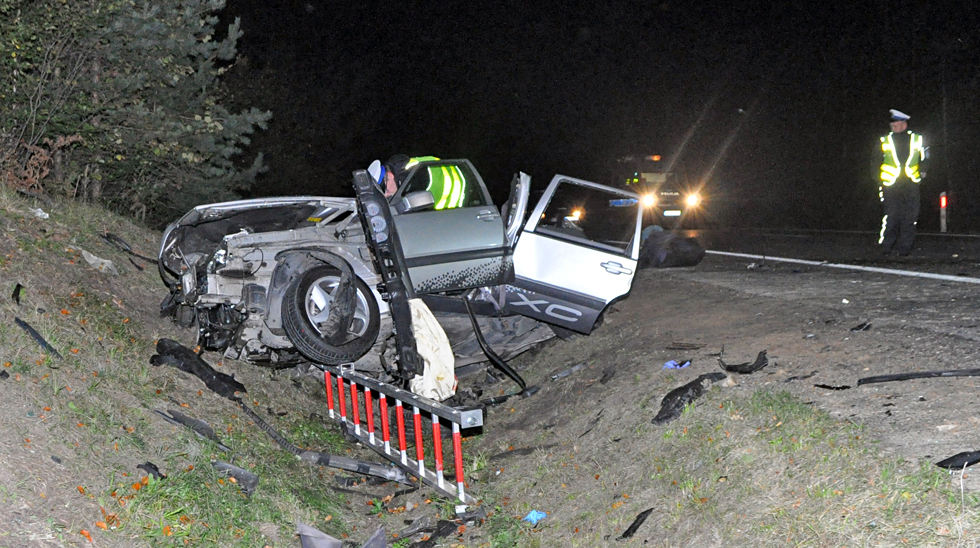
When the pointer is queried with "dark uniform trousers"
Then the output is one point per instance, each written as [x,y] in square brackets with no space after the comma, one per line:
[901,204]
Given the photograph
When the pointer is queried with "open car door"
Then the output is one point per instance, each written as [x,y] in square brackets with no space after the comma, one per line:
[461,240]
[577,253]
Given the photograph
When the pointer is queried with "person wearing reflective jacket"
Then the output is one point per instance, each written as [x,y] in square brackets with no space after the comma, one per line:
[900,172]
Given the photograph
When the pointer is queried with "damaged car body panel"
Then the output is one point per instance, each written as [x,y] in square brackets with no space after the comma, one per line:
[266,280]
[228,266]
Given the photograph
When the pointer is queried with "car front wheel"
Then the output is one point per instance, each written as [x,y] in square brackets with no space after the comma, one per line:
[306,306]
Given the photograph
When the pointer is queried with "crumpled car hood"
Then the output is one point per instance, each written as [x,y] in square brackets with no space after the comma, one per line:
[201,230]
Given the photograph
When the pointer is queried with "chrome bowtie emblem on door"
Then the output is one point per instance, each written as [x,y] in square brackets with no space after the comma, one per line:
[613,267]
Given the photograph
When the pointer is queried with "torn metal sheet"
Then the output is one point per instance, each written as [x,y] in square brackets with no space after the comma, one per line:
[920,375]
[37,337]
[747,367]
[677,399]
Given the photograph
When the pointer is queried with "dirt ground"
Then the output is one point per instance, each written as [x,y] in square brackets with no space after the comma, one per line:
[805,317]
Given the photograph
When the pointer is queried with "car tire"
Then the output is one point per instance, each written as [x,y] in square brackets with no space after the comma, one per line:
[300,310]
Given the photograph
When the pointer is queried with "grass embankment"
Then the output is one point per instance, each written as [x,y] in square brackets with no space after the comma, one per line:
[744,467]
[74,430]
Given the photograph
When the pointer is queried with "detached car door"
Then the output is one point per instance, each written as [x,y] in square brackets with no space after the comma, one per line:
[460,241]
[577,253]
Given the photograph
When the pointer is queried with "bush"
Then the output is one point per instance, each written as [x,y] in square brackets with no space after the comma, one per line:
[120,102]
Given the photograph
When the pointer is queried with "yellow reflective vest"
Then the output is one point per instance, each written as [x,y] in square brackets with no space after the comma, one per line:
[890,168]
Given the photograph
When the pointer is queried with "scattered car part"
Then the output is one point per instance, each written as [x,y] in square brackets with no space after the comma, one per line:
[122,245]
[631,530]
[748,367]
[16,294]
[37,337]
[960,460]
[311,537]
[800,377]
[684,346]
[676,400]
[151,470]
[863,326]
[832,387]
[324,459]
[491,355]
[170,352]
[920,375]
[201,428]
[388,258]
[567,372]
[247,481]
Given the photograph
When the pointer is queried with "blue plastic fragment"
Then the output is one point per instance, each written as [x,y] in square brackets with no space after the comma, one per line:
[535,516]
[674,365]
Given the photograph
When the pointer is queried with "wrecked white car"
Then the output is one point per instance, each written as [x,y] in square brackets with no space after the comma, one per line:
[258,278]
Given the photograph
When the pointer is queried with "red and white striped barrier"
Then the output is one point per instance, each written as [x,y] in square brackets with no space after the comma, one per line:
[361,387]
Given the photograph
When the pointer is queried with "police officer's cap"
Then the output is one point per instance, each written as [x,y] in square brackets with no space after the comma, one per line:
[899,116]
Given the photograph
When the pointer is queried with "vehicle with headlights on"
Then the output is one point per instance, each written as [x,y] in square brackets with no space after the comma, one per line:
[668,199]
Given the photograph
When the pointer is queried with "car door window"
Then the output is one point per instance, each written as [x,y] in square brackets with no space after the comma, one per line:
[453,185]
[590,216]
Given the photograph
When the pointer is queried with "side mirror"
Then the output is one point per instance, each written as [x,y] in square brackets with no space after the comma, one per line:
[415,201]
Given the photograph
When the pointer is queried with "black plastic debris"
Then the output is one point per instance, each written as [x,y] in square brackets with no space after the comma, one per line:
[4,375]
[37,337]
[567,372]
[832,387]
[16,294]
[960,460]
[677,399]
[151,470]
[607,375]
[173,353]
[747,367]
[676,345]
[593,423]
[57,460]
[863,326]
[800,377]
[199,427]
[631,530]
[311,537]
[122,245]
[421,524]
[920,375]
[246,480]
[444,528]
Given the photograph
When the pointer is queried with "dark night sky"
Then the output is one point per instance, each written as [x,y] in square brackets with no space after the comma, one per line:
[777,104]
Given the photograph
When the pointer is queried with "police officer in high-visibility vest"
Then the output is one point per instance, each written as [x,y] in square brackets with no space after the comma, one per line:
[899,175]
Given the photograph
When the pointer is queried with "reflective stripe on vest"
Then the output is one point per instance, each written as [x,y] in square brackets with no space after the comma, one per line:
[890,168]
[447,185]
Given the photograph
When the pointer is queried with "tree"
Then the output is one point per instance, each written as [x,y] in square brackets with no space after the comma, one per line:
[136,85]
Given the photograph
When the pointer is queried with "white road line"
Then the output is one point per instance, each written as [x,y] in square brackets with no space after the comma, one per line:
[930,275]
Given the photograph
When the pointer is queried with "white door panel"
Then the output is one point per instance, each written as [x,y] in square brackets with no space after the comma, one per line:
[573,267]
